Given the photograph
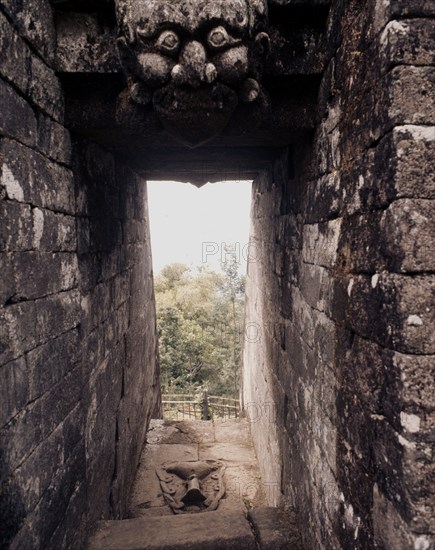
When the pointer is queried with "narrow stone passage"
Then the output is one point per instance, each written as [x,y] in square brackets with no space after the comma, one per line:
[241,521]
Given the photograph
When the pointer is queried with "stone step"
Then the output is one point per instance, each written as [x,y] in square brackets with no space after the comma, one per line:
[275,529]
[219,530]
[267,529]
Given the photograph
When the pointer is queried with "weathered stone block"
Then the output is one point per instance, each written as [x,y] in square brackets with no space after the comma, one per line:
[35,179]
[398,239]
[73,428]
[133,231]
[57,314]
[392,9]
[290,54]
[37,471]
[361,191]
[54,140]
[366,374]
[110,331]
[320,242]
[138,283]
[359,248]
[314,285]
[14,389]
[58,189]
[7,288]
[85,44]
[408,42]
[60,400]
[416,309]
[406,471]
[39,274]
[93,349]
[44,89]
[401,97]
[53,232]
[34,20]
[73,524]
[408,235]
[20,437]
[83,235]
[110,264]
[122,288]
[18,332]
[47,364]
[416,373]
[401,160]
[26,71]
[394,311]
[411,90]
[44,520]
[14,55]
[391,529]
[18,120]
[16,229]
[89,272]
[103,302]
[101,463]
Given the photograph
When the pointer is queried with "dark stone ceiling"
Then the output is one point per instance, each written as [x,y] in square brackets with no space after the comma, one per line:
[88,64]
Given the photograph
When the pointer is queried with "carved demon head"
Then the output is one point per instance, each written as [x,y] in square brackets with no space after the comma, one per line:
[190,62]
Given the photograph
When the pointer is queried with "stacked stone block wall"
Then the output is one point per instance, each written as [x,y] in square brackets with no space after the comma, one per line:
[340,292]
[78,374]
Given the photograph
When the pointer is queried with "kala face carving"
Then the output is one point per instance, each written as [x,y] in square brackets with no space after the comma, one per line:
[190,63]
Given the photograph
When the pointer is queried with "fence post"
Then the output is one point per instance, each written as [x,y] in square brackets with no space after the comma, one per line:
[205,406]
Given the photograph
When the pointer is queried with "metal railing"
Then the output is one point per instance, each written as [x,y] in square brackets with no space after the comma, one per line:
[186,406]
[181,406]
[223,407]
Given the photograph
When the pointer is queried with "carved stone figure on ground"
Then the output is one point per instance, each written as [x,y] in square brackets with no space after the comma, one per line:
[190,63]
[192,486]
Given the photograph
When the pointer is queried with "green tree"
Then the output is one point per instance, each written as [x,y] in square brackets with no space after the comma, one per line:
[199,315]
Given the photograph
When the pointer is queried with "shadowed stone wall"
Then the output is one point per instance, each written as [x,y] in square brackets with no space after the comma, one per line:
[340,318]
[78,374]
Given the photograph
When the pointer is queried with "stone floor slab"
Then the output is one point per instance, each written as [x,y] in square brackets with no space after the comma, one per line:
[183,431]
[232,453]
[243,485]
[230,431]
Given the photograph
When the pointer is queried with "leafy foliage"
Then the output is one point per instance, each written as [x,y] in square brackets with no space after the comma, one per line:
[199,318]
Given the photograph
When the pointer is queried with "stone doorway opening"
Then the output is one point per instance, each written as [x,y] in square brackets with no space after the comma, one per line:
[200,244]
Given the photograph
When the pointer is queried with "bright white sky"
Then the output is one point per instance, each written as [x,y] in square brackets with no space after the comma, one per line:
[189,225]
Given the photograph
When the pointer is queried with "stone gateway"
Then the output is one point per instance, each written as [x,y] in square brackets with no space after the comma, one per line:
[328,107]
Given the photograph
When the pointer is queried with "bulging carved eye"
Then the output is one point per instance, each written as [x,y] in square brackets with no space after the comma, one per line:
[168,42]
[219,38]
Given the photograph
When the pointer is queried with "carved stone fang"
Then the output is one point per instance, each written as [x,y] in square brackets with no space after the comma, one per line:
[210,73]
